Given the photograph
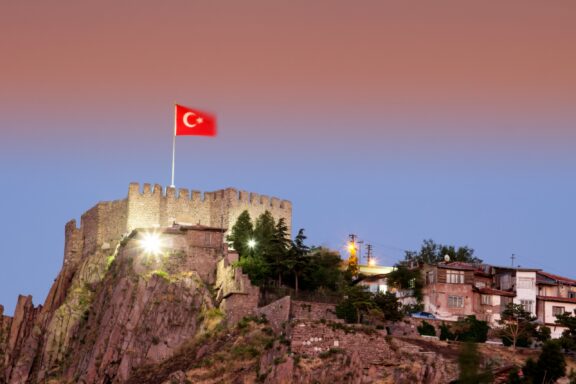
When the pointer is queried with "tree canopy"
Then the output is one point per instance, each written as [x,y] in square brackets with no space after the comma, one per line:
[432,253]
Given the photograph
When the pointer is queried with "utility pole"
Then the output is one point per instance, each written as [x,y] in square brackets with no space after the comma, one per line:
[352,259]
[369,254]
[513,257]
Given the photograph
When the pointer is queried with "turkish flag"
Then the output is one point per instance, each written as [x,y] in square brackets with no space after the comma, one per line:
[194,122]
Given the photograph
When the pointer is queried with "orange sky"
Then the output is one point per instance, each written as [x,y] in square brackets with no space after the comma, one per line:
[371,62]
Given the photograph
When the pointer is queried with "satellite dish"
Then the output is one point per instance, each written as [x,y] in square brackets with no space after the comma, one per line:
[447,258]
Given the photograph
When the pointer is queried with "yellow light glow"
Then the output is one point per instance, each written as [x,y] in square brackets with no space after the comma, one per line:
[372,262]
[151,243]
[351,247]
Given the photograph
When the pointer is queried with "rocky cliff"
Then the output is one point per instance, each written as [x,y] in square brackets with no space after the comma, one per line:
[120,307]
[179,312]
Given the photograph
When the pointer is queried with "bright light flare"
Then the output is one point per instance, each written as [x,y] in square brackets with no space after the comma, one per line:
[151,243]
[251,243]
[372,262]
[351,247]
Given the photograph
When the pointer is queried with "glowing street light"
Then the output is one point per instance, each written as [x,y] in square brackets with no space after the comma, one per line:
[151,243]
[251,243]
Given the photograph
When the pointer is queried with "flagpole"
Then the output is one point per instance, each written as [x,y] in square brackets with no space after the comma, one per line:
[173,148]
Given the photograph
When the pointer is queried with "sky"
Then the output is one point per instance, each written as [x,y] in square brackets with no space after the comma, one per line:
[396,121]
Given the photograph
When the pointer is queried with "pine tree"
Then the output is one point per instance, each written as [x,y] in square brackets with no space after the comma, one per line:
[279,248]
[241,233]
[264,230]
[298,258]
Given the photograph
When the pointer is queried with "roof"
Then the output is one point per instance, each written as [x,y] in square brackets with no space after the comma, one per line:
[521,269]
[457,265]
[491,291]
[557,298]
[555,279]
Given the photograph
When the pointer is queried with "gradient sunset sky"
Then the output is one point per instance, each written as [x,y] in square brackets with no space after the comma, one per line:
[396,120]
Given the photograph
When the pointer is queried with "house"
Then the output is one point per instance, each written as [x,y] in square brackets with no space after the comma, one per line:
[521,281]
[555,295]
[375,277]
[449,289]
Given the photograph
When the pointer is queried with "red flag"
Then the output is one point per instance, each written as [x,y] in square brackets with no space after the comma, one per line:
[194,122]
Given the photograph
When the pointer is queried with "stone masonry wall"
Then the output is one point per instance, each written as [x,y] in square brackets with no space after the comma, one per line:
[151,207]
[313,311]
[313,337]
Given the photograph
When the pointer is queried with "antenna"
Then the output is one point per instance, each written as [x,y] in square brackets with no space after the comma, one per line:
[513,257]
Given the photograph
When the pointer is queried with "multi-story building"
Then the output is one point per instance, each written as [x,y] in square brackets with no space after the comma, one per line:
[555,295]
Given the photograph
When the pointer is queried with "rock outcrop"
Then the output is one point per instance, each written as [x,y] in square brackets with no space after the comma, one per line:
[119,307]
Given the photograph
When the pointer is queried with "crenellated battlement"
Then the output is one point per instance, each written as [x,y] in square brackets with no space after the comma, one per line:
[232,195]
[151,206]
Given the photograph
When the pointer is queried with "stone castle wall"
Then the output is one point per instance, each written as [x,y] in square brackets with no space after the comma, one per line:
[104,224]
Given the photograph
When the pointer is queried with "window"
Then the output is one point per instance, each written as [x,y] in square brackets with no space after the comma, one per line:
[525,283]
[455,277]
[455,302]
[527,304]
[505,282]
[430,277]
[486,300]
[572,295]
[557,311]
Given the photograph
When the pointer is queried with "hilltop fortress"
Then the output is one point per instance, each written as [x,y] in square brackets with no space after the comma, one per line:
[106,222]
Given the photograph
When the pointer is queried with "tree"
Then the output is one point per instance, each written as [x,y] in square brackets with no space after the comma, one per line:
[357,301]
[551,364]
[469,329]
[405,278]
[388,304]
[517,325]
[568,320]
[298,258]
[264,230]
[426,329]
[241,233]
[279,248]
[323,270]
[256,268]
[432,253]
[469,365]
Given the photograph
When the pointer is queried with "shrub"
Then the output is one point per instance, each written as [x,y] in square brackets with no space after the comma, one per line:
[426,329]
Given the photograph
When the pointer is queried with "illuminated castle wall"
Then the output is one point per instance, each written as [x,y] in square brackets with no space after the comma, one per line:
[103,225]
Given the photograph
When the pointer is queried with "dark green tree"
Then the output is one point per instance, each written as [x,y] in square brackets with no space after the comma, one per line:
[280,246]
[426,329]
[388,304]
[404,278]
[323,272]
[469,365]
[432,253]
[241,233]
[568,338]
[264,231]
[357,301]
[518,326]
[256,268]
[298,261]
[551,364]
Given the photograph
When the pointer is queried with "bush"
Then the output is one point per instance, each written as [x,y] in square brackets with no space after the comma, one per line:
[445,333]
[426,329]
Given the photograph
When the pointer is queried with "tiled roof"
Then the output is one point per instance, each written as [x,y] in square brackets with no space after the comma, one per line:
[457,265]
[558,279]
[557,298]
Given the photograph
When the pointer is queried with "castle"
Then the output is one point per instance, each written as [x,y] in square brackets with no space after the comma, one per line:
[106,222]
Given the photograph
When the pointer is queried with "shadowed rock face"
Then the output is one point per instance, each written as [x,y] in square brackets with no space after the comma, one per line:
[118,308]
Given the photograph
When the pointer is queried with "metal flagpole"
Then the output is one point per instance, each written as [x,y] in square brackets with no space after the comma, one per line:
[173,148]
